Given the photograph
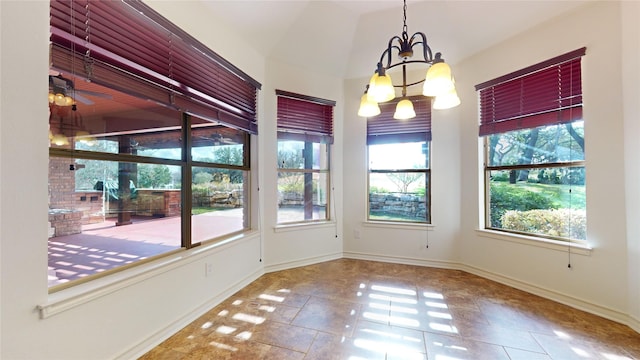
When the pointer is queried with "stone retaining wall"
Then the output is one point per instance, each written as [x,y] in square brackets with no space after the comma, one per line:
[409,205]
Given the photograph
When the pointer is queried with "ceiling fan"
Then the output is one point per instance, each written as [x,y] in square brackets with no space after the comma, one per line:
[62,92]
[219,139]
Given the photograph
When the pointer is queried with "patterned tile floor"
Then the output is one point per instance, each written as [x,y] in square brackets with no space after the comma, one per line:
[356,310]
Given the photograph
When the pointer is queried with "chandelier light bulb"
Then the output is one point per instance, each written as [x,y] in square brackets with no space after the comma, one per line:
[368,108]
[438,80]
[447,101]
[60,140]
[381,88]
[59,99]
[68,101]
[404,110]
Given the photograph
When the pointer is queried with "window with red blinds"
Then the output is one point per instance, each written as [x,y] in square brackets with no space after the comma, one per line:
[543,94]
[304,118]
[384,129]
[127,46]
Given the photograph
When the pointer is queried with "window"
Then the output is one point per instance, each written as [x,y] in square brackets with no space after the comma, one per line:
[151,154]
[399,166]
[534,169]
[305,133]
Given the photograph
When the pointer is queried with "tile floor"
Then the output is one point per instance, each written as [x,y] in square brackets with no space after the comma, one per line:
[356,310]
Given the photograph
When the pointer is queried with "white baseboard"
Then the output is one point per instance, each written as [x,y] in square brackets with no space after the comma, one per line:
[634,323]
[142,348]
[556,296]
[302,262]
[402,260]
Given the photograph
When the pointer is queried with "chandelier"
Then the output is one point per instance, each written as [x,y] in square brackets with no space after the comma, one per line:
[438,82]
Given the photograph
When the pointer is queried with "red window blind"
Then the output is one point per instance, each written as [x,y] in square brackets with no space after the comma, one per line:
[304,118]
[384,129]
[543,94]
[129,47]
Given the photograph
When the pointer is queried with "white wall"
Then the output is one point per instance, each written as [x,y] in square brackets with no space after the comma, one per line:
[122,320]
[599,281]
[630,59]
[298,245]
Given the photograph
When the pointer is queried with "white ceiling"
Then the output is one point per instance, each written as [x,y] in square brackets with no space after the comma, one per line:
[345,38]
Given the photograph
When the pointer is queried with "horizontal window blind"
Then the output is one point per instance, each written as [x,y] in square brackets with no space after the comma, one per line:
[128,46]
[543,94]
[304,118]
[384,129]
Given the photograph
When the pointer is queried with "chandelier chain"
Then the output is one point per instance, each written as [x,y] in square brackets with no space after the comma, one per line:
[404,18]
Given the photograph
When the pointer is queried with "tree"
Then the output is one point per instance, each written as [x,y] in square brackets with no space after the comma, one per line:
[527,155]
[290,159]
[404,180]
[230,155]
[153,176]
[202,178]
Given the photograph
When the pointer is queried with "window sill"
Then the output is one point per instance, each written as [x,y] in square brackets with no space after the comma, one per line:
[576,248]
[398,225]
[83,293]
[303,226]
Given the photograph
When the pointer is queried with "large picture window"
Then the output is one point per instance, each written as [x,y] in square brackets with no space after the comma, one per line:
[533,132]
[148,155]
[399,167]
[305,133]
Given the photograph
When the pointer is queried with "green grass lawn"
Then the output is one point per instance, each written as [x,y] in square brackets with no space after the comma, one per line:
[564,196]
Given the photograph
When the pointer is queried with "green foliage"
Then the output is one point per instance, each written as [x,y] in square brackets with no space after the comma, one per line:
[508,197]
[378,190]
[290,159]
[202,178]
[153,176]
[228,154]
[563,223]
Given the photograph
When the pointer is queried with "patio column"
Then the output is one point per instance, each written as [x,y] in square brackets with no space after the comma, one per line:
[126,173]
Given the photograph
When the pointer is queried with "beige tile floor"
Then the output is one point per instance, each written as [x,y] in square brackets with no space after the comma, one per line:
[356,310]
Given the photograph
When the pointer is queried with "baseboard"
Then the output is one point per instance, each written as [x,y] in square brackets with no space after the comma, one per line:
[154,340]
[565,299]
[402,260]
[634,323]
[303,262]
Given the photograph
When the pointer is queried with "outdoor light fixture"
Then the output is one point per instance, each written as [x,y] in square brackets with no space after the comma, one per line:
[437,83]
[58,91]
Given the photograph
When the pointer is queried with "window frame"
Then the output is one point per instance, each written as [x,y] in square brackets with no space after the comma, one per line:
[186,165]
[384,129]
[102,42]
[565,109]
[309,120]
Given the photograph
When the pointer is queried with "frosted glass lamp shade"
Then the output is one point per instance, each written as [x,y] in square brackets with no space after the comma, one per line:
[447,101]
[438,80]
[368,108]
[381,88]
[404,110]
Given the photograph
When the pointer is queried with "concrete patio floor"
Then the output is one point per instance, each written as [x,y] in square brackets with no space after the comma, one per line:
[103,246]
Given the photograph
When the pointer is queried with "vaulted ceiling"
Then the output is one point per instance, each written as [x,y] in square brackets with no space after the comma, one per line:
[345,38]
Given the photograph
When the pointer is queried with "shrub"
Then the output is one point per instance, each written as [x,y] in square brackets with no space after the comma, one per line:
[377,190]
[509,197]
[564,223]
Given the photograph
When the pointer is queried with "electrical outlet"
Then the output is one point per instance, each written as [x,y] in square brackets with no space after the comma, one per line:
[208,269]
[356,234]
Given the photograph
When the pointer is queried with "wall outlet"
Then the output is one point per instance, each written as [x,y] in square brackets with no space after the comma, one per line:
[208,269]
[356,234]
